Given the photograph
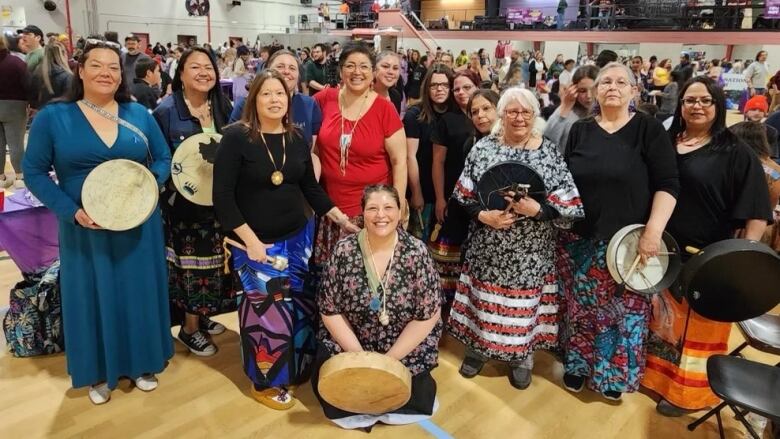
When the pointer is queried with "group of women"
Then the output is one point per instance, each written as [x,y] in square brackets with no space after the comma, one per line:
[504,282]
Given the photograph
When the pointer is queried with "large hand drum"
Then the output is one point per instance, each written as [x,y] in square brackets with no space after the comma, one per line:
[365,383]
[192,167]
[509,176]
[659,272]
[732,280]
[119,194]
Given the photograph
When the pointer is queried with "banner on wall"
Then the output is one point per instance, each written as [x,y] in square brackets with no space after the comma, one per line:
[735,89]
[771,8]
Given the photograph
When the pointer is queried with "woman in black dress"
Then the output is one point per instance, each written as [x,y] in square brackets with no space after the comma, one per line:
[451,222]
[419,120]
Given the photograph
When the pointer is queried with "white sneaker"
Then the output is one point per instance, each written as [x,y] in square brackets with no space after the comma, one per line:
[147,382]
[99,394]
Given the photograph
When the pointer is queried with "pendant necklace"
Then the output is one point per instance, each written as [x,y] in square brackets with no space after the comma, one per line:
[384,317]
[345,141]
[200,115]
[276,177]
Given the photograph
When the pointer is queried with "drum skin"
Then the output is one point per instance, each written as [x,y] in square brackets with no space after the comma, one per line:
[119,194]
[365,383]
[659,274]
[732,280]
[192,169]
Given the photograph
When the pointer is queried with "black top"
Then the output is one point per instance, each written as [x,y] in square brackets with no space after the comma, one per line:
[415,79]
[396,97]
[421,131]
[144,93]
[451,130]
[719,190]
[243,192]
[617,174]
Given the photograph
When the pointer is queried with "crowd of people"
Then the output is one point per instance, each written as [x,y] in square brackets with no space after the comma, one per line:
[362,169]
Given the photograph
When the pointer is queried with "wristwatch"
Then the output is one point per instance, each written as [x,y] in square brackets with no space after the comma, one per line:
[539,214]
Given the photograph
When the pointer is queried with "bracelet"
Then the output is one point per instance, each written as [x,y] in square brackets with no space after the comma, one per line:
[539,214]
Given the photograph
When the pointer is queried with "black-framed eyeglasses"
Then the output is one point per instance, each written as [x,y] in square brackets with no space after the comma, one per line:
[92,43]
[705,102]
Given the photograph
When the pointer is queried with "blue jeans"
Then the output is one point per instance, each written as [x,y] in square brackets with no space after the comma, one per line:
[560,20]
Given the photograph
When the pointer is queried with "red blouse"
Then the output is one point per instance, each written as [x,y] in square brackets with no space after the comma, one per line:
[368,162]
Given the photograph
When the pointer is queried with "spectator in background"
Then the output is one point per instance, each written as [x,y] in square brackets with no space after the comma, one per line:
[685,66]
[52,77]
[565,77]
[315,70]
[130,58]
[561,10]
[146,83]
[463,58]
[605,57]
[31,43]
[757,74]
[13,108]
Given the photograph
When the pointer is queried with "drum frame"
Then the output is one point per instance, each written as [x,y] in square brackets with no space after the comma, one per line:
[672,271]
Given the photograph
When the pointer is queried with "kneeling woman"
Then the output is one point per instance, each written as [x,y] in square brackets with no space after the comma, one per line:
[262,174]
[381,293]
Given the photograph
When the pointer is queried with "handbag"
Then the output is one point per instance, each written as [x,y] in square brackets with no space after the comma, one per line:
[33,324]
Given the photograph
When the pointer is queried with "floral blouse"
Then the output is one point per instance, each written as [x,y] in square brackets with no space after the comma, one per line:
[413,293]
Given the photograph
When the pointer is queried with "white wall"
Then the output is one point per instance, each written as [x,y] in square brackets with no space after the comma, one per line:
[49,21]
[712,51]
[661,51]
[457,45]
[747,51]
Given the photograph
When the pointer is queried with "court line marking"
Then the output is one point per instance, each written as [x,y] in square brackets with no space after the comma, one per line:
[434,430]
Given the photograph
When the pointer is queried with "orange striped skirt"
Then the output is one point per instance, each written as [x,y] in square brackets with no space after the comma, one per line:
[677,369]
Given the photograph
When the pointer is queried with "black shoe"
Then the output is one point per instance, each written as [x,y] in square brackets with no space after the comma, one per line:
[573,383]
[471,367]
[197,343]
[612,395]
[207,325]
[520,377]
[670,410]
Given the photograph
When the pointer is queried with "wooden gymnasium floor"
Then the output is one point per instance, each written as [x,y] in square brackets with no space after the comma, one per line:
[209,398]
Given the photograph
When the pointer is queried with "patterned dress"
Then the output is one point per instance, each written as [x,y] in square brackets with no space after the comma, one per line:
[506,306]
[414,293]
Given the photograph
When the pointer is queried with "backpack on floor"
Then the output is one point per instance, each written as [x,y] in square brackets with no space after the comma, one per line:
[33,324]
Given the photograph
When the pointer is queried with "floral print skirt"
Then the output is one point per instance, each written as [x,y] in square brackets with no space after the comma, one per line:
[602,334]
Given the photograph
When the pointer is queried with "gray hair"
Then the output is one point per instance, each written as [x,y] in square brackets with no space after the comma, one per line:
[527,100]
[385,53]
[616,65]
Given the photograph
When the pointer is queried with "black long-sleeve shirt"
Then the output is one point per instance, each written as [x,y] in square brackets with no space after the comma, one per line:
[243,192]
[617,174]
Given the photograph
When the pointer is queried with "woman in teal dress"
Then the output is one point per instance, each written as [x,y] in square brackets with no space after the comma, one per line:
[114,285]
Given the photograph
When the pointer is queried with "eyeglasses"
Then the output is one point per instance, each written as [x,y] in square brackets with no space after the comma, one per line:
[442,85]
[513,114]
[364,68]
[620,83]
[92,43]
[705,102]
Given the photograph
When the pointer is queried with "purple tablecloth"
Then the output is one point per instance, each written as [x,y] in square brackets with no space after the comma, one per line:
[28,233]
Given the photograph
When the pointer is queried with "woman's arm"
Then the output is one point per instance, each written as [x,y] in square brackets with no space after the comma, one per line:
[413,334]
[395,145]
[341,331]
[661,211]
[437,173]
[413,170]
[754,229]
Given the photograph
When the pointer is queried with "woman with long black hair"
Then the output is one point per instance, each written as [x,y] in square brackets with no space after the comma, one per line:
[198,284]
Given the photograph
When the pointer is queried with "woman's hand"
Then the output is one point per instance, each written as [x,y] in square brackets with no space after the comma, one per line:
[338,217]
[649,244]
[497,219]
[441,209]
[417,202]
[85,221]
[526,206]
[256,251]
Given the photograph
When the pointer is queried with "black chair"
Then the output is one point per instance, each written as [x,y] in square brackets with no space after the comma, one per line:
[761,333]
[745,386]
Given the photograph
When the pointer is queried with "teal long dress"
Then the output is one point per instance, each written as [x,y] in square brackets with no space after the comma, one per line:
[114,285]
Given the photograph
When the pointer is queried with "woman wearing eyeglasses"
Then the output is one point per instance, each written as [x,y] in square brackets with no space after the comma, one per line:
[199,286]
[507,301]
[449,137]
[114,284]
[419,120]
[624,166]
[722,189]
[361,142]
